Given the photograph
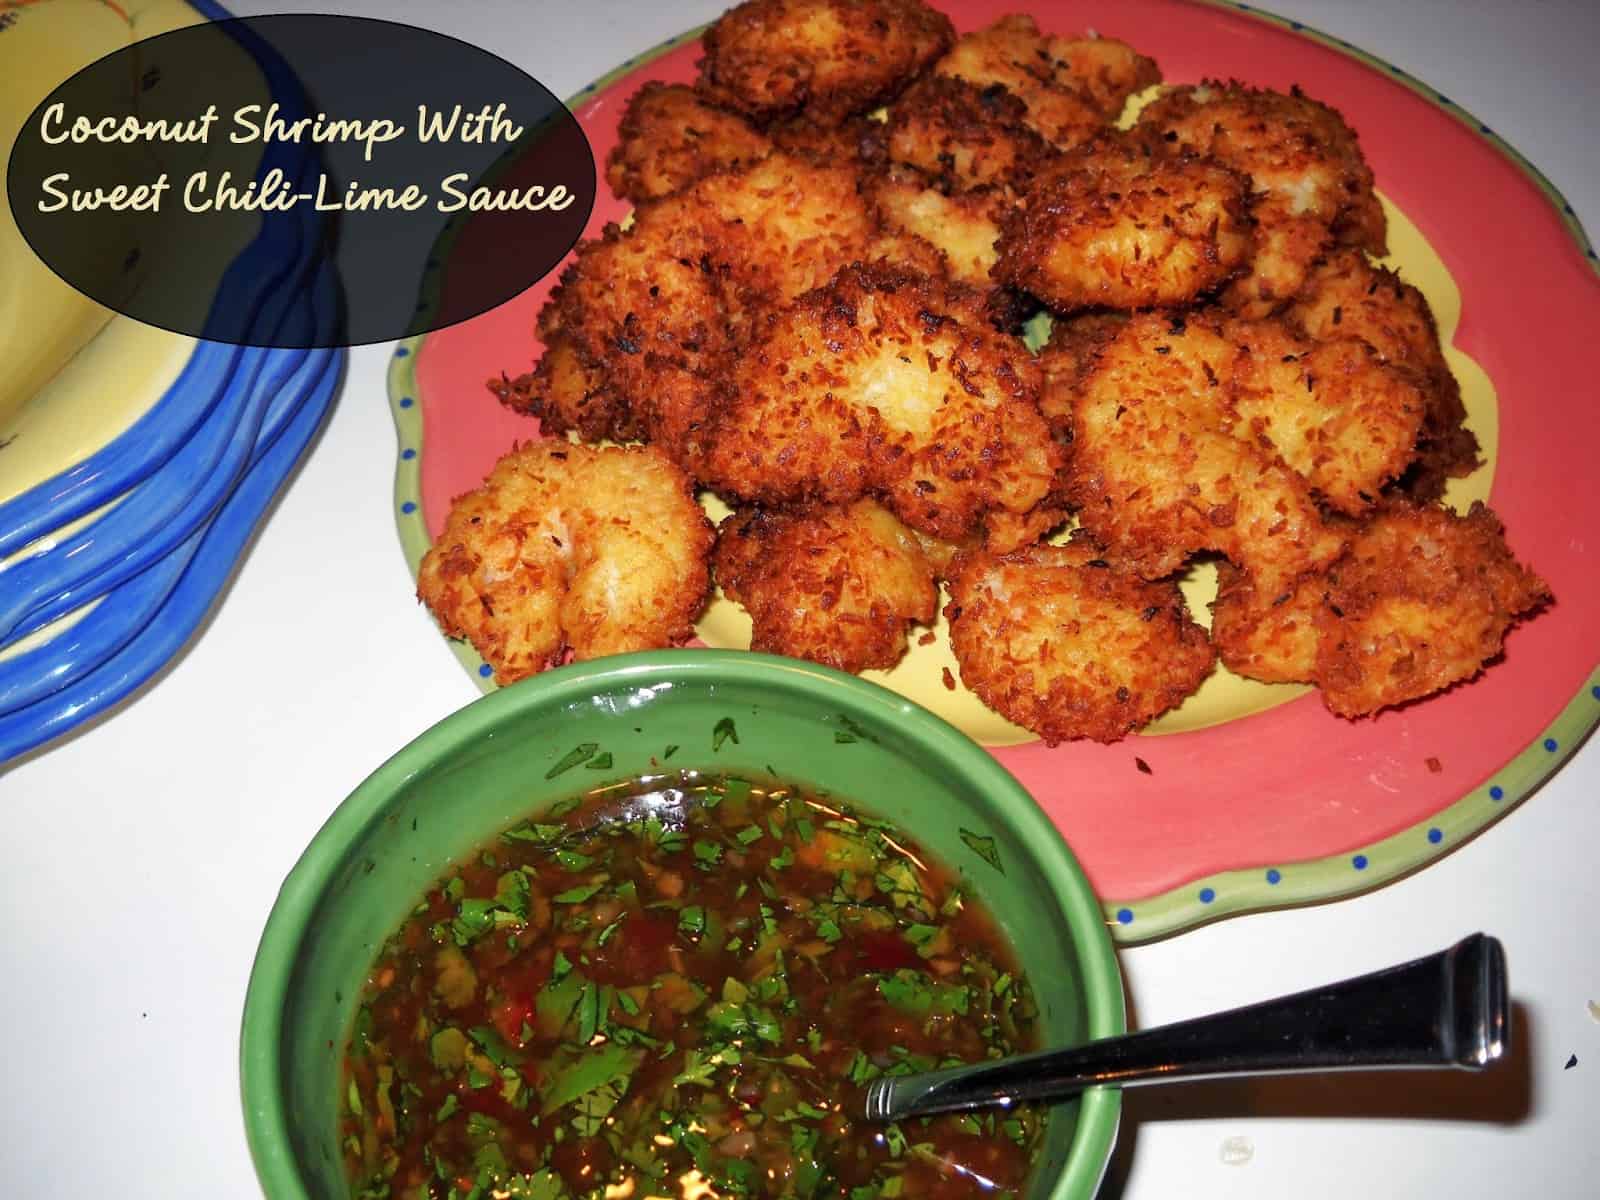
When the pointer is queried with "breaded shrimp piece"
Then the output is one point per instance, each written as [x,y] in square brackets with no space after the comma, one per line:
[1072,87]
[1113,226]
[836,584]
[962,135]
[827,145]
[652,313]
[1421,600]
[827,58]
[1312,186]
[568,547]
[1058,641]
[1346,296]
[1162,467]
[965,226]
[890,383]
[1270,637]
[1333,411]
[1107,70]
[669,137]
[568,395]
[1006,532]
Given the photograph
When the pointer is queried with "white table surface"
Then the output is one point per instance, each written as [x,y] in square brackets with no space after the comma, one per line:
[143,854]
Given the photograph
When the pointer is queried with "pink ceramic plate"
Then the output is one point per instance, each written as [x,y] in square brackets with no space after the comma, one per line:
[1288,805]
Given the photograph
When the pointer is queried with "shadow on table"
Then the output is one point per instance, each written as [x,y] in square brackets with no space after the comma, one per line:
[1502,1095]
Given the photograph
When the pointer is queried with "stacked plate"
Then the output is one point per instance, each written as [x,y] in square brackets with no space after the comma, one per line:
[135,463]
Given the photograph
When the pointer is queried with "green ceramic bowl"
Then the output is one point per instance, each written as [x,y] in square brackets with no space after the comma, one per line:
[495,762]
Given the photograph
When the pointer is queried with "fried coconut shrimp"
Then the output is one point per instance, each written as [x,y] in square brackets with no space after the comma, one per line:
[885,382]
[965,226]
[567,392]
[839,585]
[1334,412]
[1112,226]
[961,135]
[669,137]
[643,319]
[1054,639]
[1312,186]
[1345,296]
[1162,467]
[568,547]
[828,58]
[1072,87]
[1421,599]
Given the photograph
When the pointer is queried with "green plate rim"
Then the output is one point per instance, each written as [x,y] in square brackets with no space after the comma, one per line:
[261,1043]
[1266,887]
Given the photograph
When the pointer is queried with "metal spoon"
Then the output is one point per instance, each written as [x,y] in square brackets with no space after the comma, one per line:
[1446,1010]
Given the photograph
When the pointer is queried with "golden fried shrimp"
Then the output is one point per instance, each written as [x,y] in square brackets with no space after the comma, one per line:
[1421,600]
[568,547]
[1271,637]
[1074,344]
[1105,69]
[1161,467]
[888,383]
[1312,185]
[839,585]
[827,145]
[1063,644]
[827,58]
[653,312]
[962,135]
[1345,296]
[1006,532]
[1333,411]
[568,395]
[1072,87]
[964,226]
[1109,226]
[669,137]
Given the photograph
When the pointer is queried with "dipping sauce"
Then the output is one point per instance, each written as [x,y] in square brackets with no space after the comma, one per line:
[680,989]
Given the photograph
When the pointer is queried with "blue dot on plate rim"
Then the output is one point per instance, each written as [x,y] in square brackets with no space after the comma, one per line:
[1274,875]
[408,453]
[1125,916]
[1435,836]
[1359,862]
[1551,745]
[485,670]
[409,507]
[1497,792]
[1207,895]
[406,402]
[1595,691]
[401,352]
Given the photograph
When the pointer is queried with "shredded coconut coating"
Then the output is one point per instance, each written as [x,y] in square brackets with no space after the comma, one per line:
[1312,187]
[1058,641]
[887,383]
[669,137]
[962,135]
[570,548]
[837,584]
[1162,466]
[1073,88]
[826,58]
[1422,599]
[1345,296]
[1113,226]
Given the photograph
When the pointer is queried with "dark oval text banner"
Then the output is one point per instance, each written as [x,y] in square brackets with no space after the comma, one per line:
[201,180]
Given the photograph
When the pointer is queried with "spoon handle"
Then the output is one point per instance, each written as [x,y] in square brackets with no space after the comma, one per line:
[1446,1010]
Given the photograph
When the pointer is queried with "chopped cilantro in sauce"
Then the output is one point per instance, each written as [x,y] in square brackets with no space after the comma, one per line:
[682,990]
